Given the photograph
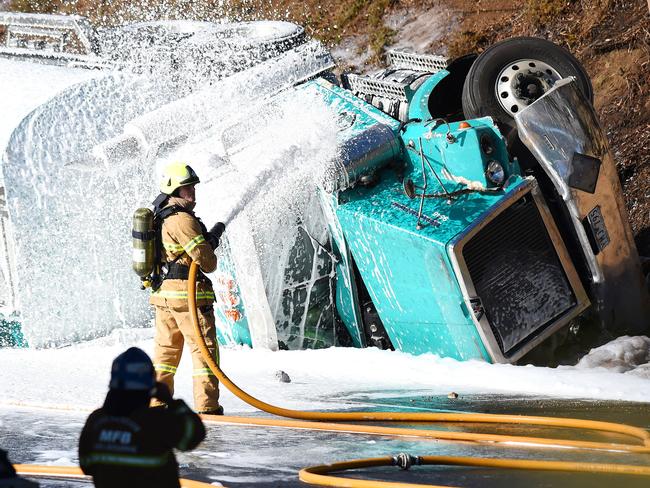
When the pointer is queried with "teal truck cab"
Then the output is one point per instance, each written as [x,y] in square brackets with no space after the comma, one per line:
[473,211]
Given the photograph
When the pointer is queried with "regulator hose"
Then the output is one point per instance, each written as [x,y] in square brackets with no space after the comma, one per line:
[315,421]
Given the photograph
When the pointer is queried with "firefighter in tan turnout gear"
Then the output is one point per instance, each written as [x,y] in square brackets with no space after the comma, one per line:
[183,239]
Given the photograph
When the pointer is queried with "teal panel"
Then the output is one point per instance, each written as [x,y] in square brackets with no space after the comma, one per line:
[11,334]
[346,298]
[459,163]
[419,106]
[355,115]
[229,303]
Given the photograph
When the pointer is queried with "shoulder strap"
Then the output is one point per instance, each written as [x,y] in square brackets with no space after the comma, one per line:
[168,211]
[158,218]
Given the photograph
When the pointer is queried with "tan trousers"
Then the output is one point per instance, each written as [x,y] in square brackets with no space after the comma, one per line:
[173,329]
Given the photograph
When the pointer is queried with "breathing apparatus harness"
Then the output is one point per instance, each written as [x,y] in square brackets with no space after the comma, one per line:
[148,257]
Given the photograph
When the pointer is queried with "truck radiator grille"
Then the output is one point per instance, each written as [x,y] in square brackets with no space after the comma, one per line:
[517,275]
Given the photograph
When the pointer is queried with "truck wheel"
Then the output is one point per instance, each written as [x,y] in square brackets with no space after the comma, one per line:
[512,74]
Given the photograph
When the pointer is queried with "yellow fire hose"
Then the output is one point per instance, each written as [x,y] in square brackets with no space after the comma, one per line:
[314,420]
[317,475]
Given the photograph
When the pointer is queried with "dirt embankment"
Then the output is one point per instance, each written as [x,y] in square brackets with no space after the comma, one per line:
[612,40]
[610,37]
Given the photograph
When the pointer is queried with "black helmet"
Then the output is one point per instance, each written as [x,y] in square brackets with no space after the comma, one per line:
[132,371]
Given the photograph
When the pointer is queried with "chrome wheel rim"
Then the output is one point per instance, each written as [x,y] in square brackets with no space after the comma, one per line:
[522,82]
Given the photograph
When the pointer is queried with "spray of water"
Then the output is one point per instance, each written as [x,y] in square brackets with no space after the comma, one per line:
[266,187]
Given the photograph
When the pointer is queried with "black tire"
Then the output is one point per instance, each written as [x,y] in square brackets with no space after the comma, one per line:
[481,95]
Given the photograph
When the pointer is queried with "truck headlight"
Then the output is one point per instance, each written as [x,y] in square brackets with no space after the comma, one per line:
[495,173]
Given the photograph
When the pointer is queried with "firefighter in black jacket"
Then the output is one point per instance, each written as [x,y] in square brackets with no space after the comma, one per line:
[127,444]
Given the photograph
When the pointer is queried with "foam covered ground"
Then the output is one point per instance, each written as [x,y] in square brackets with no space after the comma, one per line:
[76,377]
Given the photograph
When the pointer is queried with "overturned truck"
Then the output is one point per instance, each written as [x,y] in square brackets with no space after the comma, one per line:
[474,211]
[471,208]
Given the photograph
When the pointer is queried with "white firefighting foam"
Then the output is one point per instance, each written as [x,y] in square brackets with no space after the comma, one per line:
[70,214]
[628,355]
[265,191]
[23,89]
[76,283]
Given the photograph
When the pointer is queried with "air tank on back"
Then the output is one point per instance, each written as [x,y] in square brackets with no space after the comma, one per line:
[143,243]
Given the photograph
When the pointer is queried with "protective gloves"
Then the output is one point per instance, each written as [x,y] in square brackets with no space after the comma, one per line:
[214,234]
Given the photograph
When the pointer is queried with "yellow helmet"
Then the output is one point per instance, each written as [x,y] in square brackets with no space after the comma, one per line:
[175,175]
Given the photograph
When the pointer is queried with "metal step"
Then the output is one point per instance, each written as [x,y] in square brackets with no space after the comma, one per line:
[381,88]
[429,63]
[44,33]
